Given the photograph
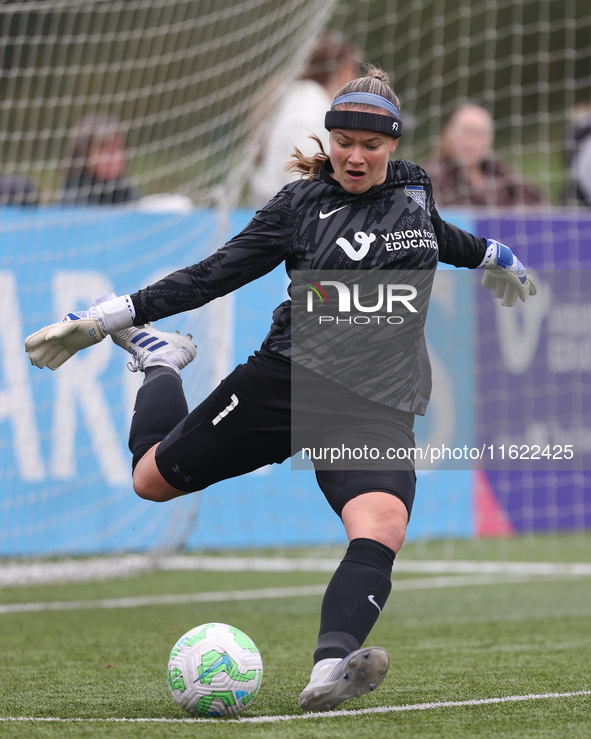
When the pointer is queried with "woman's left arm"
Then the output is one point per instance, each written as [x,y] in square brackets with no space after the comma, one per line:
[503,273]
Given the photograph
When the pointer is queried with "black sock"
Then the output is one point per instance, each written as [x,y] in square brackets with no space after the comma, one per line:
[354,598]
[160,404]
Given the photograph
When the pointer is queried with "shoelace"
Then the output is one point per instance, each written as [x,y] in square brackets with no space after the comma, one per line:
[134,364]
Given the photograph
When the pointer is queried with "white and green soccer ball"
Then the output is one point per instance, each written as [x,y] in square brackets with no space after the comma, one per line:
[214,670]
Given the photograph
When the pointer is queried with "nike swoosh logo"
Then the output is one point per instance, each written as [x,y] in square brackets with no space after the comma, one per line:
[372,600]
[225,660]
[322,215]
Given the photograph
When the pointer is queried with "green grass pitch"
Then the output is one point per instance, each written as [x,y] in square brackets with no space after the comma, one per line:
[456,642]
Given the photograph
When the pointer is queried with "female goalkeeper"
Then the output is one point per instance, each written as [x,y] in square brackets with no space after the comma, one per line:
[354,213]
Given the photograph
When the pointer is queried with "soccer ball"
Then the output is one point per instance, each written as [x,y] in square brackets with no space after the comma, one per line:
[214,670]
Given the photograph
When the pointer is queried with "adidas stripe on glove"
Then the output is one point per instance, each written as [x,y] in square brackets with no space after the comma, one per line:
[505,275]
[53,345]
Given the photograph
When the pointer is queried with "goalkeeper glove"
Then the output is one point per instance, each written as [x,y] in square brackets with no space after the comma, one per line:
[53,345]
[505,275]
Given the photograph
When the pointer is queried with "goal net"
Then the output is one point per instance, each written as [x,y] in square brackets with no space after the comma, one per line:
[191,83]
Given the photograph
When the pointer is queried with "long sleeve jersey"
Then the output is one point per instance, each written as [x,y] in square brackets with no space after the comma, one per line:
[315,226]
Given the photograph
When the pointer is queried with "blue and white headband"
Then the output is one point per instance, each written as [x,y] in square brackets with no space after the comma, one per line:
[367,98]
[353,119]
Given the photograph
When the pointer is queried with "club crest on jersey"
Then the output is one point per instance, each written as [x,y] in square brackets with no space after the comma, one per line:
[417,193]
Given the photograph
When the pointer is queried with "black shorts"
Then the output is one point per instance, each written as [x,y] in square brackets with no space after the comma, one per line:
[250,421]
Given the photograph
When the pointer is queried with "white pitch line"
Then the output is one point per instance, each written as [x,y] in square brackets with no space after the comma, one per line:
[422,583]
[307,716]
[163,600]
[17,574]
[431,567]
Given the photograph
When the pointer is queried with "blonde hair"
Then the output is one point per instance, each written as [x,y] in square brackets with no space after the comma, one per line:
[307,166]
[375,81]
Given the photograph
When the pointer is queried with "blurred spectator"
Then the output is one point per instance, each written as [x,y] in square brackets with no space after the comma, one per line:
[95,164]
[334,62]
[578,158]
[17,190]
[465,171]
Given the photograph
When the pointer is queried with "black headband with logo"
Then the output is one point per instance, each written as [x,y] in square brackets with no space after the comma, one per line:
[363,121]
[353,119]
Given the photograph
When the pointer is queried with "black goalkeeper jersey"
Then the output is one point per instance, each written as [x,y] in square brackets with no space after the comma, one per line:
[316,225]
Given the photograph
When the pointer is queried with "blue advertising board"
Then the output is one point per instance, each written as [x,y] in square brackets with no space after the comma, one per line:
[65,481]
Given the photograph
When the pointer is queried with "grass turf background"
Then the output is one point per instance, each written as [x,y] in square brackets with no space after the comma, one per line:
[446,644]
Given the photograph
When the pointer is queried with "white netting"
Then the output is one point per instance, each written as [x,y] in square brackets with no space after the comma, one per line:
[183,77]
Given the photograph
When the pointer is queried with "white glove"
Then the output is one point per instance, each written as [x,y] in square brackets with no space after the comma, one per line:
[505,275]
[53,345]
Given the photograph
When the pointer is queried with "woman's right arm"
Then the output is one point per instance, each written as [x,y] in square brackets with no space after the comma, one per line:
[260,247]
